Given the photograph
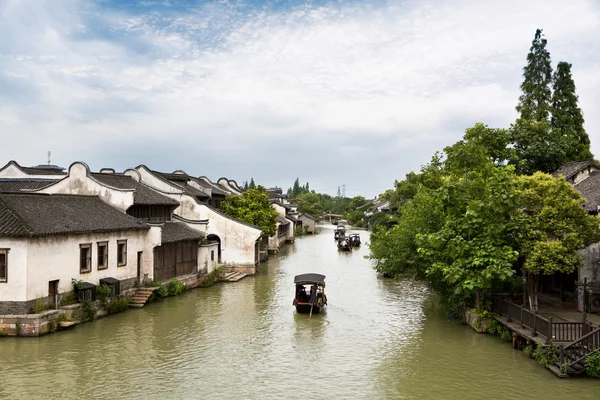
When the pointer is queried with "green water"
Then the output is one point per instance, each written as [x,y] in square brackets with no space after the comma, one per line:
[379,339]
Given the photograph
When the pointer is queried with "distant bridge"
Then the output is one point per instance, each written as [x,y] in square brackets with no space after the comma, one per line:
[330,217]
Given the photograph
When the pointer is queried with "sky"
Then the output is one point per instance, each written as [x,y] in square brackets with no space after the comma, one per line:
[354,93]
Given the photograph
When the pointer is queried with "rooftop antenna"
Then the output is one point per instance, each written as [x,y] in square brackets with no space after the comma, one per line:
[49,154]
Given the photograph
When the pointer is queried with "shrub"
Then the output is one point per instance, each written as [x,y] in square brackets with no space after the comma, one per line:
[88,310]
[68,299]
[213,278]
[118,305]
[175,287]
[3,333]
[592,365]
[528,350]
[545,356]
[39,306]
[102,293]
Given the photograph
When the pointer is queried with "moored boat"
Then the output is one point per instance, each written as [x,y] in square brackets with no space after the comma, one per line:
[354,239]
[340,232]
[344,244]
[313,301]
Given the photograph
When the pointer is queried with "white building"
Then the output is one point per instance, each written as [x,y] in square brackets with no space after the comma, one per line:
[47,241]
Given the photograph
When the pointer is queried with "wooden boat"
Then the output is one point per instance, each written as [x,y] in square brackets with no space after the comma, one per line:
[339,232]
[314,300]
[344,244]
[354,239]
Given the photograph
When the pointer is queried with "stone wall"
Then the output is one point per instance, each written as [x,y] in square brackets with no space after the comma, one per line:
[590,270]
[30,324]
[236,268]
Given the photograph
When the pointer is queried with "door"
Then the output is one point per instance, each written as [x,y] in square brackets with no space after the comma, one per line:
[139,266]
[53,292]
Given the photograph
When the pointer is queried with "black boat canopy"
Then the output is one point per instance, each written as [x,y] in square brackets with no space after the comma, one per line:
[305,279]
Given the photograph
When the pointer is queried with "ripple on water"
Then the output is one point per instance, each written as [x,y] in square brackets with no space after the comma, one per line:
[379,339]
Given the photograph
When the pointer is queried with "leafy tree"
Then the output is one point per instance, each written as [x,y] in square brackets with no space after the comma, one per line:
[553,226]
[534,103]
[252,185]
[246,185]
[430,176]
[310,203]
[252,207]
[538,147]
[379,221]
[567,117]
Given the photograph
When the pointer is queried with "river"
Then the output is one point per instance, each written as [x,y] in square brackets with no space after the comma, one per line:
[379,339]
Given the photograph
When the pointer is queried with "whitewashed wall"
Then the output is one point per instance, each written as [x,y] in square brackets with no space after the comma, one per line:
[79,182]
[34,262]
[582,175]
[15,287]
[205,261]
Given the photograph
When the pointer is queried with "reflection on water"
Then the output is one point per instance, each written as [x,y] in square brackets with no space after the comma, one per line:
[378,339]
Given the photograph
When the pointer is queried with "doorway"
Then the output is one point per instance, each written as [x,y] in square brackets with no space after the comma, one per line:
[53,293]
[139,266]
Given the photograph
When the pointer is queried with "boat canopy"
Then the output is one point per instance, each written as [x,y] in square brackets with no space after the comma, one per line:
[306,279]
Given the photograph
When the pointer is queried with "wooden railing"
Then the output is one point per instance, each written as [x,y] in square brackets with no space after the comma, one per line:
[577,351]
[528,319]
[551,330]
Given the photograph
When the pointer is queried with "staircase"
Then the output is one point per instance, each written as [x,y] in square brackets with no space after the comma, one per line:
[141,296]
[232,276]
[575,353]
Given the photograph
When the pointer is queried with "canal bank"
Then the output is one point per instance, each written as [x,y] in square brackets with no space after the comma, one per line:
[379,339]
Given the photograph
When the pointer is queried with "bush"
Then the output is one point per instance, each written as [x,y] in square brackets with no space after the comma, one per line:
[68,299]
[213,278]
[175,287]
[39,306]
[545,356]
[88,310]
[592,365]
[118,305]
[102,293]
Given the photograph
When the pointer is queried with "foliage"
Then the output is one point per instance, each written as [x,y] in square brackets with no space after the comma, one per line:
[68,299]
[545,356]
[310,203]
[117,305]
[564,368]
[592,365]
[296,190]
[77,283]
[18,327]
[213,278]
[252,207]
[534,103]
[3,333]
[429,177]
[381,220]
[89,310]
[496,328]
[567,117]
[102,294]
[537,147]
[175,287]
[528,350]
[39,306]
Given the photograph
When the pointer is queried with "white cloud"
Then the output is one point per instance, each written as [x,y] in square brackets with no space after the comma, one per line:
[221,76]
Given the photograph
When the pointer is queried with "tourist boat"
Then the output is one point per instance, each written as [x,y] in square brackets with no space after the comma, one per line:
[310,295]
[344,244]
[354,239]
[339,232]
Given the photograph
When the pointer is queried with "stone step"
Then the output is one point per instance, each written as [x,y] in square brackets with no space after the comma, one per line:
[136,305]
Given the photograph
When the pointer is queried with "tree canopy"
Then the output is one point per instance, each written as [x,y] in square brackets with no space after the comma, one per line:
[252,207]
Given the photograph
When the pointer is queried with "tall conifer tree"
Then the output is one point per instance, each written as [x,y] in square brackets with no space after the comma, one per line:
[534,103]
[567,118]
[252,185]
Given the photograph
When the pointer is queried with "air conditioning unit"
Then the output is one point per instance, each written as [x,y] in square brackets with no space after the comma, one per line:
[595,302]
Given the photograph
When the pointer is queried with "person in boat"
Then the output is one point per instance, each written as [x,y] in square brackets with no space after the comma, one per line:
[301,296]
[313,294]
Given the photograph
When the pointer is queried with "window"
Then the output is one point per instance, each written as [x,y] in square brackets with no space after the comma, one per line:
[85,258]
[3,265]
[212,255]
[102,255]
[121,252]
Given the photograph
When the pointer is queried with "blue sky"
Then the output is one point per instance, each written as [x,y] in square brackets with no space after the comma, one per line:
[333,92]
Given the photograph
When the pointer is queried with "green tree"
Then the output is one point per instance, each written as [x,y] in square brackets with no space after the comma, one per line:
[311,203]
[252,207]
[534,103]
[252,185]
[567,118]
[553,226]
[246,185]
[537,147]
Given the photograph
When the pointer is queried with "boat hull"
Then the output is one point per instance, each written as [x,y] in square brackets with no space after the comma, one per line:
[304,308]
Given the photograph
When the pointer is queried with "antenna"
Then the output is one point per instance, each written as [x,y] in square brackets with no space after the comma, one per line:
[49,154]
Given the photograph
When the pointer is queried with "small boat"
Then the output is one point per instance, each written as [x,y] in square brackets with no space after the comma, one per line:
[344,244]
[315,300]
[354,239]
[339,232]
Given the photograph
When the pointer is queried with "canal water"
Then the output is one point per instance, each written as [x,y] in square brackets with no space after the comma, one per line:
[379,339]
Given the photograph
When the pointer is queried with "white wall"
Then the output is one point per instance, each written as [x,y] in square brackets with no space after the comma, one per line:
[79,182]
[11,171]
[204,257]
[15,287]
[582,175]
[57,257]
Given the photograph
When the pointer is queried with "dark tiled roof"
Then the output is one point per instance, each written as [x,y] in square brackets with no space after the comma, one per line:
[143,195]
[282,221]
[590,190]
[307,215]
[178,231]
[214,188]
[292,217]
[572,168]
[180,180]
[16,185]
[42,171]
[42,214]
